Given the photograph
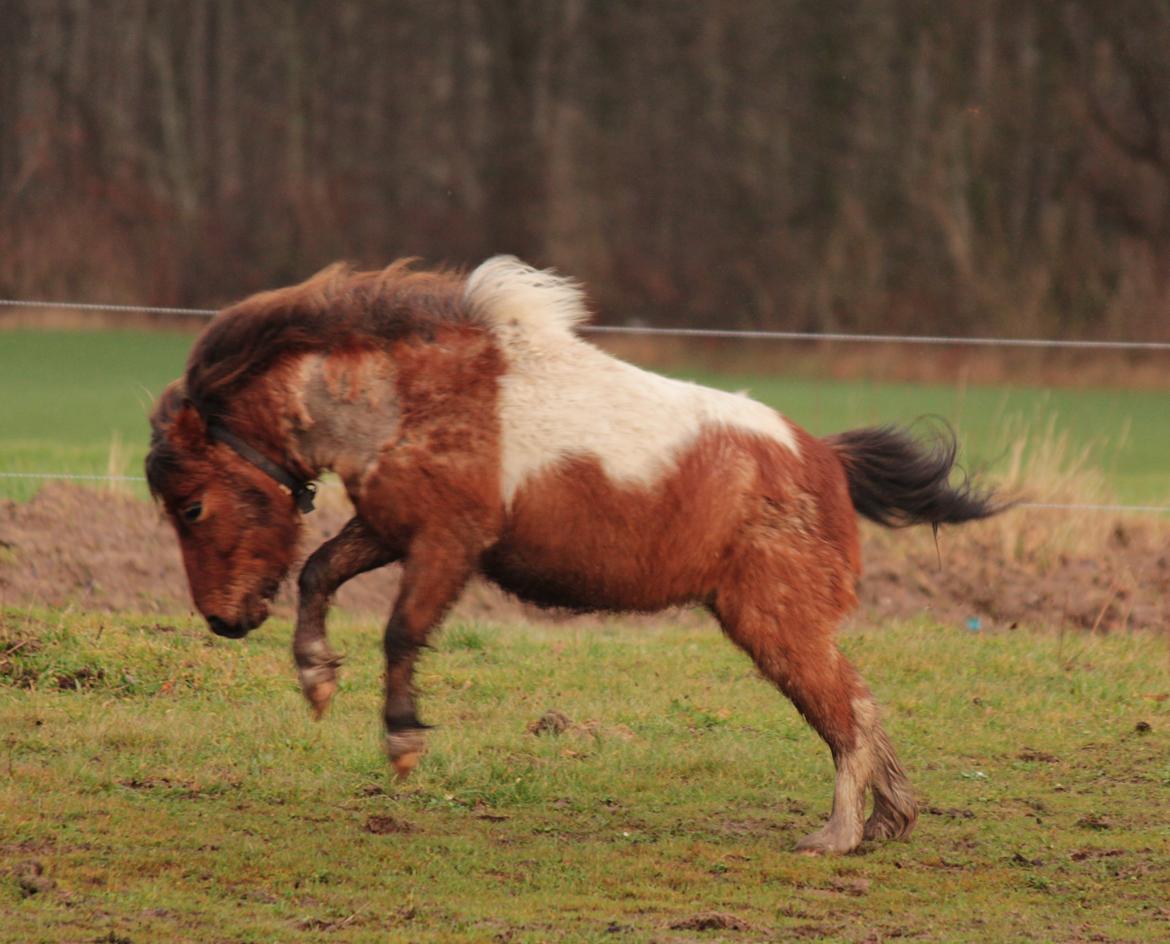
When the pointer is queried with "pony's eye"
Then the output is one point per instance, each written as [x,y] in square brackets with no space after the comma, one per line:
[192,513]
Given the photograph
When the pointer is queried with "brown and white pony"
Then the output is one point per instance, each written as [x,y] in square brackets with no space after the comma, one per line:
[475,432]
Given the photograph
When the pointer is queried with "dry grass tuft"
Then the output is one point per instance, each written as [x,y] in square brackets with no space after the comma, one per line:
[1044,466]
[118,466]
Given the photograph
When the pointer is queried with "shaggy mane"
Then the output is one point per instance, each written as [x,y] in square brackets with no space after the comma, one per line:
[162,461]
[337,307]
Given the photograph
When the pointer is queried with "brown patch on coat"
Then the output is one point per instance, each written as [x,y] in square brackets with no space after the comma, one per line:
[575,539]
[442,469]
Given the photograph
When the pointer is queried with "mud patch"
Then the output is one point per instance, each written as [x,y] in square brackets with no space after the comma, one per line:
[387,825]
[1039,757]
[14,648]
[32,880]
[711,921]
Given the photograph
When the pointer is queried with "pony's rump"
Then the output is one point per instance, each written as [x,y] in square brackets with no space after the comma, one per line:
[899,480]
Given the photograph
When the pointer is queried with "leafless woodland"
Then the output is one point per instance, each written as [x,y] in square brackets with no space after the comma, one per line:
[941,165]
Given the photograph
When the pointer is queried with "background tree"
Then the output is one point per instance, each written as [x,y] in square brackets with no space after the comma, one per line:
[929,165]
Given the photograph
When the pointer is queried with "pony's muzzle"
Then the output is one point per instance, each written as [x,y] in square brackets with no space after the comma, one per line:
[222,627]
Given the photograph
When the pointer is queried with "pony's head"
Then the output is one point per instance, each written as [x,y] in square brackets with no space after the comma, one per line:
[237,526]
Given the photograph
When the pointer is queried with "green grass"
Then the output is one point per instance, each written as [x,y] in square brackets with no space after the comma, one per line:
[173,788]
[1125,430]
[68,395]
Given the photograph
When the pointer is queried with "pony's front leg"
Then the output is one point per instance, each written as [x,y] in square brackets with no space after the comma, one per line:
[354,550]
[436,570]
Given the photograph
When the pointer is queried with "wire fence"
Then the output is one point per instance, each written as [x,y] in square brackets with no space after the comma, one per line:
[712,333]
[73,476]
[94,306]
[646,330]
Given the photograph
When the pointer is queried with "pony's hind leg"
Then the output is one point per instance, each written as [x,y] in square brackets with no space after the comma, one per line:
[352,551]
[436,570]
[894,810]
[791,641]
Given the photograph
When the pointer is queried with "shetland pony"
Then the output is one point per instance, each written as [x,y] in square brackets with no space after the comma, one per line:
[476,432]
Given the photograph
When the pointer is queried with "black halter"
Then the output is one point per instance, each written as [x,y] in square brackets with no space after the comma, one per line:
[301,490]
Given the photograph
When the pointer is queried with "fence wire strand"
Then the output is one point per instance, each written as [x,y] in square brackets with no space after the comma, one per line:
[1042,506]
[94,306]
[73,476]
[711,333]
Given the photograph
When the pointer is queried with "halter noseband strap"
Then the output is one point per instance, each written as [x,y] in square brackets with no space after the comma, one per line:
[302,491]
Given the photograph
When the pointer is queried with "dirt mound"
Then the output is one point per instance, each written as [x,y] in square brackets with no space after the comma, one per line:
[74,546]
[100,550]
[1114,575]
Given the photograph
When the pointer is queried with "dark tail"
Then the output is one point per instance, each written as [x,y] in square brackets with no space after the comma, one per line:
[898,480]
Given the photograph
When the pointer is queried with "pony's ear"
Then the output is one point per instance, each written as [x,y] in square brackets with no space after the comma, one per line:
[188,429]
[176,418]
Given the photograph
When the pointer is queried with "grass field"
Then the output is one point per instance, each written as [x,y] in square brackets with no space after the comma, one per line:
[69,397]
[160,784]
[171,787]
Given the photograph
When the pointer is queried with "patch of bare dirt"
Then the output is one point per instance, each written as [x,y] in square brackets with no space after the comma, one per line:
[555,723]
[711,921]
[975,578]
[32,880]
[385,825]
[97,550]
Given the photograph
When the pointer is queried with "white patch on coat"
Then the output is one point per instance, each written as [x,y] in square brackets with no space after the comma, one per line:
[562,397]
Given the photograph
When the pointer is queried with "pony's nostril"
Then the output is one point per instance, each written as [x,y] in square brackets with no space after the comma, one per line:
[222,627]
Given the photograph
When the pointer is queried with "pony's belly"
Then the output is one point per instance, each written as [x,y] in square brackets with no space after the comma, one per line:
[574,538]
[544,577]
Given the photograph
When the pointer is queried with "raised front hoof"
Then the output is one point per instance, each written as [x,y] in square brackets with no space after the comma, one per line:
[319,696]
[318,684]
[889,823]
[405,749]
[829,840]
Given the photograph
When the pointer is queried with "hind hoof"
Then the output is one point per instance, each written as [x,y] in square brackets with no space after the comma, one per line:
[828,841]
[890,824]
